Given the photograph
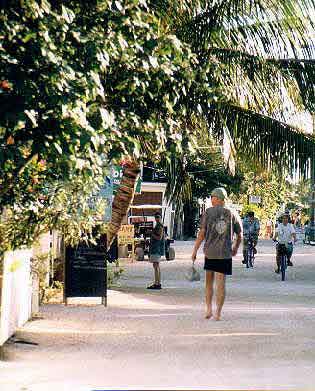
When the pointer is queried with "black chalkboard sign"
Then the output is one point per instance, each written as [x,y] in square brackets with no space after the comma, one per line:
[86,272]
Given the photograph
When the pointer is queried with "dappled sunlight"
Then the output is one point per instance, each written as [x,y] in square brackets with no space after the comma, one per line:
[153,301]
[117,333]
[246,334]
[127,300]
[290,309]
[156,315]
[143,303]
[59,330]
[258,255]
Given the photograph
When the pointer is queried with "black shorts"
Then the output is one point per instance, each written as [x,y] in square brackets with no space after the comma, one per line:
[223,266]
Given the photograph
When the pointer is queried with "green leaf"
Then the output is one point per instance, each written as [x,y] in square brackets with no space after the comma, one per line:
[153,61]
[29,36]
[67,14]
[32,116]
[58,148]
[108,119]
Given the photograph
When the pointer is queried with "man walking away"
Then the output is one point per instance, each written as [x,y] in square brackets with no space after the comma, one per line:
[218,226]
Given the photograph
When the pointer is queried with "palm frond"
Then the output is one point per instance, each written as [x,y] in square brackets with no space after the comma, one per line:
[274,144]
[178,188]
[266,38]
[261,83]
[304,73]
[262,27]
[229,152]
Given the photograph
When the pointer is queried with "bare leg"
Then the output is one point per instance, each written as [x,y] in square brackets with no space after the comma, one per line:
[157,273]
[209,293]
[220,294]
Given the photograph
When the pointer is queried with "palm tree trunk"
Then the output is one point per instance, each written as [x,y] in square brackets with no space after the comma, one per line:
[123,198]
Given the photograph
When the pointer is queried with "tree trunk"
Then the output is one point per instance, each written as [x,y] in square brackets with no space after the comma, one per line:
[190,212]
[178,223]
[123,198]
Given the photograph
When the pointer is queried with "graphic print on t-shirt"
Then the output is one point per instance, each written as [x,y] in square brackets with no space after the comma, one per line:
[221,225]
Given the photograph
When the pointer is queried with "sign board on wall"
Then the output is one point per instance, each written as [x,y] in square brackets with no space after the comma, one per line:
[106,193]
[253,199]
[105,196]
[116,175]
[126,235]
[237,207]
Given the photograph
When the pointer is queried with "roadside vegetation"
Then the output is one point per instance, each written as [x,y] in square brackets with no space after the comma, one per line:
[84,85]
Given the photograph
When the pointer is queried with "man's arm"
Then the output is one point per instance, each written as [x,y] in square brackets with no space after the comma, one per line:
[236,244]
[200,238]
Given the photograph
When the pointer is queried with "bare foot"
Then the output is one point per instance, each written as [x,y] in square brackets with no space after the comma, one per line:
[208,314]
[217,317]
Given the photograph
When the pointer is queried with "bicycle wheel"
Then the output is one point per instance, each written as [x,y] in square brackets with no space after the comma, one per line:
[283,266]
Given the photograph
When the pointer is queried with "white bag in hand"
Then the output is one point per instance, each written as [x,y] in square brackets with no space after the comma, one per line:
[192,274]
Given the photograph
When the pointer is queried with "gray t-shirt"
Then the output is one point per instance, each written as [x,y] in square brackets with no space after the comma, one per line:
[220,224]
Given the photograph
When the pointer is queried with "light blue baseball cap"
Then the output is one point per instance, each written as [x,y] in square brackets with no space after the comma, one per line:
[220,193]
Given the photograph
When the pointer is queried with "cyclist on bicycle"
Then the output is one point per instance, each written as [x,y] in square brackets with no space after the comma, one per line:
[251,229]
[285,234]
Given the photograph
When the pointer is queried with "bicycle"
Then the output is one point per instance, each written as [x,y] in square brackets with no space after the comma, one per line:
[250,254]
[283,259]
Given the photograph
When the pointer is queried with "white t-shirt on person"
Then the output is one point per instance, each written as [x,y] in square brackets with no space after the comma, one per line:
[285,233]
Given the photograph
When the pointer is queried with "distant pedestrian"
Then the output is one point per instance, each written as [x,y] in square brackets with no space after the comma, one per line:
[297,221]
[157,250]
[251,228]
[269,230]
[218,226]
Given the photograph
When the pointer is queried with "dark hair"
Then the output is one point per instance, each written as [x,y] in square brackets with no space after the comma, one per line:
[250,214]
[157,214]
